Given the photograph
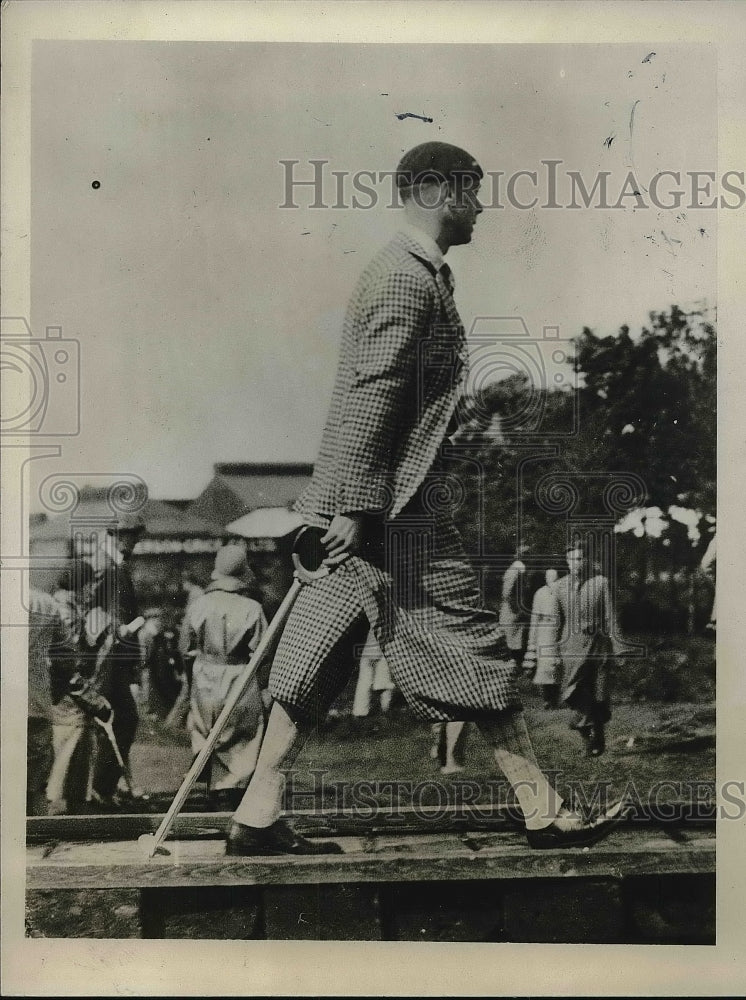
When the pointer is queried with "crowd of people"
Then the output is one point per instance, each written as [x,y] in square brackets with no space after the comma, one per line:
[96,664]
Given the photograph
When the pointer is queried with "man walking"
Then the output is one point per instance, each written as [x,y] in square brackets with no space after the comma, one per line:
[587,639]
[380,493]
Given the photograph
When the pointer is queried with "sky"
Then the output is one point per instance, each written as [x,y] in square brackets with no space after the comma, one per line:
[209,317]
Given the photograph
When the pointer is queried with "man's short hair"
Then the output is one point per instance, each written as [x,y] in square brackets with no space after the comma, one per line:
[436,163]
[588,549]
[585,546]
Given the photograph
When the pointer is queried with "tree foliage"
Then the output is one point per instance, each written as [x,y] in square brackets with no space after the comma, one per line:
[653,402]
[643,404]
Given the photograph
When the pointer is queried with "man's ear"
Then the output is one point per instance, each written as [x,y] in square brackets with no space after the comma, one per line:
[448,195]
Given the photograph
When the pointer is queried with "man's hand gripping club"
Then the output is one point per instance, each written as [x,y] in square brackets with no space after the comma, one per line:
[343,538]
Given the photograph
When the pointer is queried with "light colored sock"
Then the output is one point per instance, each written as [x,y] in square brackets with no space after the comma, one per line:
[262,802]
[361,702]
[514,755]
[453,734]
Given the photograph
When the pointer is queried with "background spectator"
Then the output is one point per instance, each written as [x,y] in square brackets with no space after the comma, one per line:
[542,658]
[50,648]
[222,629]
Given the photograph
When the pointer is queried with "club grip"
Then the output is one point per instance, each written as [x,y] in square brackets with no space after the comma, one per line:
[309,554]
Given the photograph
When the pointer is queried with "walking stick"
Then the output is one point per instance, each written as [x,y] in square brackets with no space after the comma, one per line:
[108,728]
[308,546]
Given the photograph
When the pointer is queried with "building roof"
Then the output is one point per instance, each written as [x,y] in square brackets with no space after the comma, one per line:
[265,484]
[162,520]
[266,522]
[240,487]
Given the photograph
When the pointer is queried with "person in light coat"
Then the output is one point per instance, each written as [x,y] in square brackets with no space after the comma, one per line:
[542,651]
[223,627]
[73,730]
[514,613]
[50,654]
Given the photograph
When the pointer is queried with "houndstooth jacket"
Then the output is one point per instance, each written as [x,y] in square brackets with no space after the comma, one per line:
[401,365]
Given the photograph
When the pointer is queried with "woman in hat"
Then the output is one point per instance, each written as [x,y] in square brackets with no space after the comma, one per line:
[222,629]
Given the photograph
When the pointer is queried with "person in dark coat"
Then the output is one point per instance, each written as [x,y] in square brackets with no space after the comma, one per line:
[114,595]
[588,644]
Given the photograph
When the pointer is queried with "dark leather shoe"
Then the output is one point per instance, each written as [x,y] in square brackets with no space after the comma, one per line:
[552,837]
[513,816]
[272,840]
[596,742]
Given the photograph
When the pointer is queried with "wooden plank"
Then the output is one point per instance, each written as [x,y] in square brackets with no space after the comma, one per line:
[221,912]
[307,822]
[345,912]
[576,911]
[122,827]
[669,909]
[484,857]
[443,911]
[318,823]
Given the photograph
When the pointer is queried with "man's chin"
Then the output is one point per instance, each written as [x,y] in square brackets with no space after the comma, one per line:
[460,239]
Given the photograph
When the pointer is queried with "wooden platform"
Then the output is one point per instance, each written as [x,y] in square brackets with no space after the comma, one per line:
[385,868]
[377,858]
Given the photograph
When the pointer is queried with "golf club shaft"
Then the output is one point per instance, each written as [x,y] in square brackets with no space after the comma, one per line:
[213,736]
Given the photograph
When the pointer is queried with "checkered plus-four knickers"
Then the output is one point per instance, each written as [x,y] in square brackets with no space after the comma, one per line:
[416,589]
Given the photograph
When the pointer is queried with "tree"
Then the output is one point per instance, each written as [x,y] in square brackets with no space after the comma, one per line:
[646,404]
[653,400]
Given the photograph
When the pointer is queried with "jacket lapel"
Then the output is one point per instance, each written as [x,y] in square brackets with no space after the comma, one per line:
[448,307]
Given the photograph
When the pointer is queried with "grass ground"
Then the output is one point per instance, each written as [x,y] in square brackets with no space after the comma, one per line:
[399,751]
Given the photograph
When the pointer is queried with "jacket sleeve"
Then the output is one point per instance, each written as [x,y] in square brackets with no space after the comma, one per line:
[393,320]
[187,635]
[259,629]
[610,623]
